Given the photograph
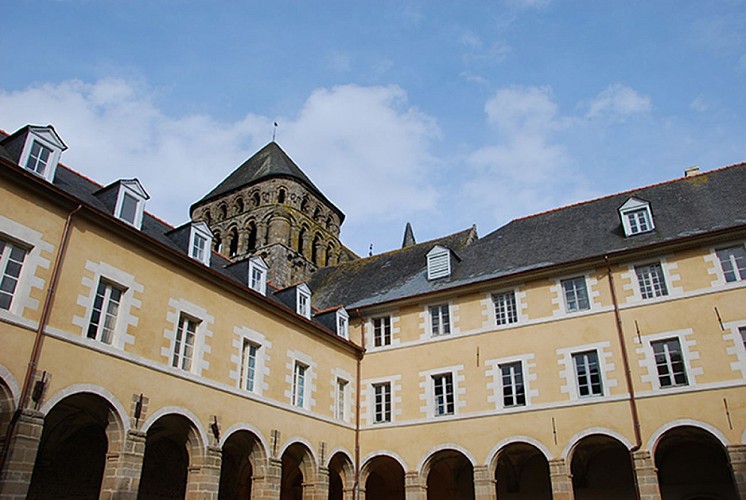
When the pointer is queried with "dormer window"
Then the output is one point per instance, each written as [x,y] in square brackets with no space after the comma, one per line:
[303,301]
[131,202]
[343,323]
[637,218]
[41,151]
[438,263]
[200,242]
[258,275]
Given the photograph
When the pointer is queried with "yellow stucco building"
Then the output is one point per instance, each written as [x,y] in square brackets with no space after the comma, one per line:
[596,351]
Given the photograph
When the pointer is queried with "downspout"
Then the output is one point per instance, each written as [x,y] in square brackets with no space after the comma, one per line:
[356,489]
[627,374]
[39,338]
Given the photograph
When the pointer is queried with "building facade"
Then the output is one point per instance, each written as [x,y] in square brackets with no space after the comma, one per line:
[593,351]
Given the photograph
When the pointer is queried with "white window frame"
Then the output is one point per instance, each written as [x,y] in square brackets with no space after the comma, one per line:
[303,300]
[564,291]
[503,313]
[629,213]
[664,361]
[444,394]
[341,395]
[438,263]
[103,320]
[183,354]
[248,377]
[440,312]
[199,232]
[516,384]
[587,381]
[382,402]
[381,327]
[651,280]
[48,138]
[300,384]
[343,323]
[257,279]
[737,273]
[133,189]
[5,262]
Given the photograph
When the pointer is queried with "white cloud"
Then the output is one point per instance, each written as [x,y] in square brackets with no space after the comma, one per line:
[364,147]
[618,101]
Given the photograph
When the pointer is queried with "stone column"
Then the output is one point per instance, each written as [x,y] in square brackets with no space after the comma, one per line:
[413,488]
[737,461]
[123,469]
[203,480]
[646,475]
[559,474]
[267,486]
[23,447]
[318,490]
[484,483]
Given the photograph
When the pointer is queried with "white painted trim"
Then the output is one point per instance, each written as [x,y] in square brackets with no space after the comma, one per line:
[244,426]
[306,443]
[336,450]
[12,383]
[593,431]
[442,447]
[119,410]
[684,422]
[383,453]
[178,410]
[504,443]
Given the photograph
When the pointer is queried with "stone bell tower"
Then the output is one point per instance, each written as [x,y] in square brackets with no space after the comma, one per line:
[269,207]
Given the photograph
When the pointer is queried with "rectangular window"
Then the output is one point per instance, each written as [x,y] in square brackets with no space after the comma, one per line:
[382,402]
[382,331]
[742,331]
[303,309]
[443,394]
[299,384]
[651,280]
[639,221]
[184,344]
[38,158]
[576,294]
[733,263]
[128,211]
[505,308]
[440,320]
[11,262]
[248,365]
[342,327]
[669,362]
[104,315]
[257,279]
[199,243]
[514,392]
[341,399]
[588,374]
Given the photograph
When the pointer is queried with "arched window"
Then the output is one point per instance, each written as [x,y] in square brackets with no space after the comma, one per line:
[317,213]
[329,255]
[222,211]
[304,204]
[301,240]
[233,242]
[281,196]
[315,250]
[238,206]
[217,243]
[252,236]
[255,199]
[207,216]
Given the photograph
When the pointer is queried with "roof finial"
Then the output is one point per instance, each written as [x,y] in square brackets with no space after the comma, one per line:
[370,250]
[274,132]
[408,237]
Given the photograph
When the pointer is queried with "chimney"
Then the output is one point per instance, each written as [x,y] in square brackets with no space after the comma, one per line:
[691,171]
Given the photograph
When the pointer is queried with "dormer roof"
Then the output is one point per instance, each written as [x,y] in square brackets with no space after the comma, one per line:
[270,162]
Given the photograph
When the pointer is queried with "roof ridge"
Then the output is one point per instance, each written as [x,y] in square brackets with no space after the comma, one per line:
[606,197]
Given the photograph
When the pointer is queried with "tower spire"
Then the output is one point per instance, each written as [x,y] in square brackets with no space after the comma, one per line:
[408,237]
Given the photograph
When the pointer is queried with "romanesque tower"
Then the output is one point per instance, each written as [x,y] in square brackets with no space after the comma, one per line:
[269,207]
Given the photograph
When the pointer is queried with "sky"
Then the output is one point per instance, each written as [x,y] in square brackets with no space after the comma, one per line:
[445,114]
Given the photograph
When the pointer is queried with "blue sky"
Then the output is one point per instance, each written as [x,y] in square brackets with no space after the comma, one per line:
[441,113]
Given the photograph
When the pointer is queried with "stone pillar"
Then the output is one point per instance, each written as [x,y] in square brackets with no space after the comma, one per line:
[484,483]
[266,486]
[203,480]
[318,490]
[23,447]
[123,469]
[646,475]
[559,474]
[413,488]
[349,493]
[737,461]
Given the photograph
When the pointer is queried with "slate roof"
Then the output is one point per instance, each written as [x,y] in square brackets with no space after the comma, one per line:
[268,163]
[685,207]
[382,277]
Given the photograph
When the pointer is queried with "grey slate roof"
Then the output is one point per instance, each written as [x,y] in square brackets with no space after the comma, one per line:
[681,208]
[269,162]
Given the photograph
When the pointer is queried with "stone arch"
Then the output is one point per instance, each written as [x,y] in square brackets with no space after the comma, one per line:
[520,467]
[317,213]
[341,475]
[685,422]
[448,472]
[382,476]
[304,204]
[255,199]
[238,206]
[244,463]
[102,392]
[299,469]
[207,216]
[302,240]
[232,241]
[281,194]
[80,428]
[222,212]
[175,445]
[252,235]
[217,243]
[601,467]
[9,397]
[316,247]
[692,462]
[573,442]
[329,259]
